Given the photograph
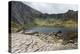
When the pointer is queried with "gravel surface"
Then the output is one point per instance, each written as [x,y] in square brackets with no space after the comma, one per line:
[30,43]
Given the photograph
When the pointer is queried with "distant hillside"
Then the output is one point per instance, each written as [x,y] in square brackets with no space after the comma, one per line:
[70,14]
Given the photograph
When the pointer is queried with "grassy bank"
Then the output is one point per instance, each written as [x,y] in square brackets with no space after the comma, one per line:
[56,23]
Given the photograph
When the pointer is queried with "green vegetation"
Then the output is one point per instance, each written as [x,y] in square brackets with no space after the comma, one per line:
[56,23]
[41,22]
[15,27]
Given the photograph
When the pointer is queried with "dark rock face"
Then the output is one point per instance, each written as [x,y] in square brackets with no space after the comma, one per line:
[72,15]
[21,13]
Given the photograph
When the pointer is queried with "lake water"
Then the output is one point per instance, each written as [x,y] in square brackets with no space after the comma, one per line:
[49,29]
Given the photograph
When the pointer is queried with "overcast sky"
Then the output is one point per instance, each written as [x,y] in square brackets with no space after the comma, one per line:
[51,8]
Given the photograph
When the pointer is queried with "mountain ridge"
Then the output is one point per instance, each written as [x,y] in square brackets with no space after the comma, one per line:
[21,12]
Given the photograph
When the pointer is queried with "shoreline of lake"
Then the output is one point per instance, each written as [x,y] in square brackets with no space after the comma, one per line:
[33,43]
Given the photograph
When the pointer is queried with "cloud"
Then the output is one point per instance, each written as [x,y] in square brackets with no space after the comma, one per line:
[51,7]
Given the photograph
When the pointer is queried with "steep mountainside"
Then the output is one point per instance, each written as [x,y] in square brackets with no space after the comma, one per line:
[21,12]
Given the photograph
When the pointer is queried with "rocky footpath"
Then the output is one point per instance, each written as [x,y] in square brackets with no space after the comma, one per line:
[38,42]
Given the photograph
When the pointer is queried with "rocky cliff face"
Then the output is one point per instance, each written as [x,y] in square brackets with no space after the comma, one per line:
[72,14]
[20,12]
